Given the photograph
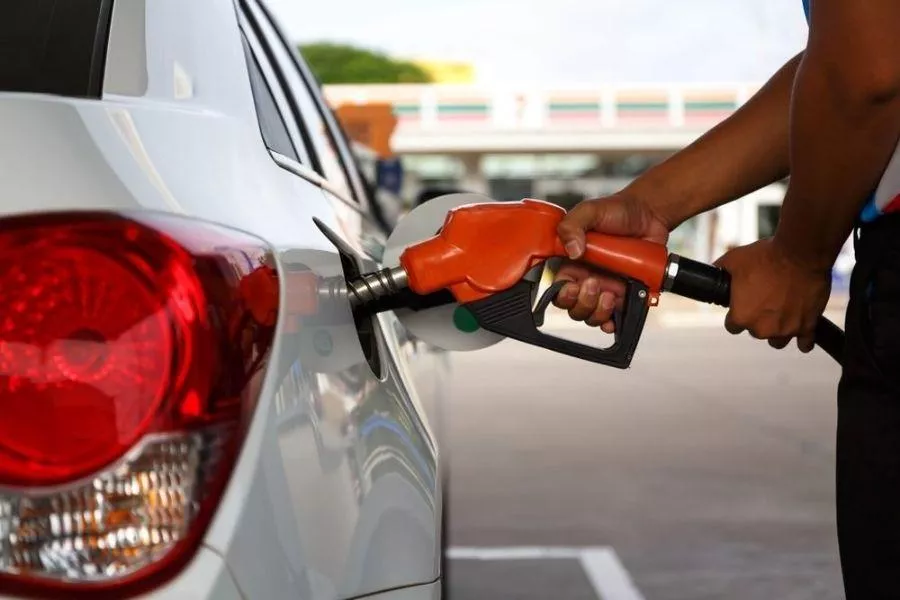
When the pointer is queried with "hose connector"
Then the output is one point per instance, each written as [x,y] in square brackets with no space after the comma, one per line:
[697,281]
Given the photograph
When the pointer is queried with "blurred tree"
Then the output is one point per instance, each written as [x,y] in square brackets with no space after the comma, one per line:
[338,63]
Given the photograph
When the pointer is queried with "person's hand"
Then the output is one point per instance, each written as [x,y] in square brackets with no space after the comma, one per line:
[773,296]
[591,296]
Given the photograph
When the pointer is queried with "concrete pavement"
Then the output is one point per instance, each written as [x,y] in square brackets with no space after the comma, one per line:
[707,468]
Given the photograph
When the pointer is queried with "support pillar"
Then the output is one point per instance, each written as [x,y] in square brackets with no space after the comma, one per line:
[473,178]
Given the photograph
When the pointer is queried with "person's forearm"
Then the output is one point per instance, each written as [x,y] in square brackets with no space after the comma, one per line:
[747,151]
[844,129]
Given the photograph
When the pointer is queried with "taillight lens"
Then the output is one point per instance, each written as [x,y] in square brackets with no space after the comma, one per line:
[131,351]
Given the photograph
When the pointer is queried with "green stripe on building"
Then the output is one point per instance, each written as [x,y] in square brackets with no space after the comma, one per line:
[406,110]
[574,106]
[642,106]
[710,105]
[456,109]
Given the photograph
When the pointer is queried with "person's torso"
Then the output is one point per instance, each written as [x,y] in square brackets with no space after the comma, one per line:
[886,196]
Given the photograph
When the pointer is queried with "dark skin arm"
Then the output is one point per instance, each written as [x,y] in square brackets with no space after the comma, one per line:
[747,151]
[845,125]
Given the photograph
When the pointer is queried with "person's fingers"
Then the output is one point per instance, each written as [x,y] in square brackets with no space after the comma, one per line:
[780,343]
[604,310]
[615,286]
[806,343]
[567,296]
[723,261]
[572,227]
[731,326]
[765,327]
[572,271]
[592,322]
[588,297]
[806,340]
[577,274]
[607,326]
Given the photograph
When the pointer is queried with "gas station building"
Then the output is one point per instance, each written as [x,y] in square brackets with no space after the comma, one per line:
[561,145]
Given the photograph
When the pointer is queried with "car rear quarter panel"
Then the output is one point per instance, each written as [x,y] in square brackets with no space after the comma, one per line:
[336,492]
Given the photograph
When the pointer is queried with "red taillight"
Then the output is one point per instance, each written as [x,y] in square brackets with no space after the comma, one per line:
[129,360]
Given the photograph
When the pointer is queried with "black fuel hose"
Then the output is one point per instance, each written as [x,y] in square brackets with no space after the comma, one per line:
[712,285]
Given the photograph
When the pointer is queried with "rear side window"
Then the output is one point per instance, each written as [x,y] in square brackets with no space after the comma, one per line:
[54,46]
[271,123]
[319,135]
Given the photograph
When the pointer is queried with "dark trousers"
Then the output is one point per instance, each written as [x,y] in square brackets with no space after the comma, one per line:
[868,432]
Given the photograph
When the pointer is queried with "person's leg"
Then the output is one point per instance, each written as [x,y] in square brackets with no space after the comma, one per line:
[868,433]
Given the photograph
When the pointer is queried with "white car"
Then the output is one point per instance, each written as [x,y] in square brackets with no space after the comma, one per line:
[188,406]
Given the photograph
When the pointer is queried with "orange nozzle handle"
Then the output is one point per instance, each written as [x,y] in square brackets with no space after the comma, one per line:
[487,248]
[626,256]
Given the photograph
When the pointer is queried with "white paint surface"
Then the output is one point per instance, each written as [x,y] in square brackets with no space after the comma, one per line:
[601,564]
[607,575]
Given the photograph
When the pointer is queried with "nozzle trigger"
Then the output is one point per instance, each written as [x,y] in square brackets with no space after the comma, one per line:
[547,297]
[510,313]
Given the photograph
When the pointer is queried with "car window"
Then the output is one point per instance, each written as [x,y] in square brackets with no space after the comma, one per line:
[271,122]
[54,47]
[319,135]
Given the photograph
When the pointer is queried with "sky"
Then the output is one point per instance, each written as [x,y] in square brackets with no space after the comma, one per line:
[561,42]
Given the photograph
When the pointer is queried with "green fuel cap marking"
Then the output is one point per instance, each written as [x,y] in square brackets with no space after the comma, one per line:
[464,320]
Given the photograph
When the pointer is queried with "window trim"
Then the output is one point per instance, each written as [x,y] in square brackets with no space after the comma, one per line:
[261,118]
[97,77]
[277,92]
[300,170]
[252,28]
[256,12]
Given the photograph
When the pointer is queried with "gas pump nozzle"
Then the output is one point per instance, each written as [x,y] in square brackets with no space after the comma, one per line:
[485,255]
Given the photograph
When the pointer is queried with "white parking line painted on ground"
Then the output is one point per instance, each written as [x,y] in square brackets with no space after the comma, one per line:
[514,553]
[601,564]
[608,576]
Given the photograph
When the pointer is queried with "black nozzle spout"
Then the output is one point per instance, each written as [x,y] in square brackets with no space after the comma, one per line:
[697,281]
[369,289]
[388,289]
